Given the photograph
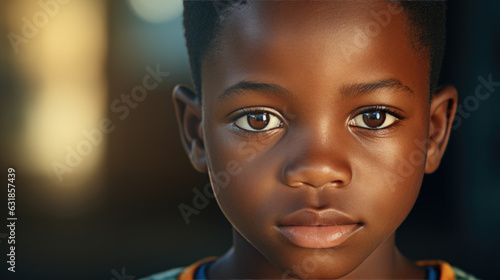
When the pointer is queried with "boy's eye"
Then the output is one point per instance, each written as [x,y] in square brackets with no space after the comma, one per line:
[376,119]
[258,121]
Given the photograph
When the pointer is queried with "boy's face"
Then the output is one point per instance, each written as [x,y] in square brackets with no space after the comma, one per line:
[334,130]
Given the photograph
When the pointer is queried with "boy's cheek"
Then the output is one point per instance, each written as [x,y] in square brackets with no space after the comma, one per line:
[249,202]
[389,179]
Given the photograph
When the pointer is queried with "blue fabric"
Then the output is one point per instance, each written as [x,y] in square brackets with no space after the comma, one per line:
[432,273]
[201,271]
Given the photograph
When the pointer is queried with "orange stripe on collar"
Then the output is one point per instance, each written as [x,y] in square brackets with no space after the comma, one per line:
[444,268]
[188,273]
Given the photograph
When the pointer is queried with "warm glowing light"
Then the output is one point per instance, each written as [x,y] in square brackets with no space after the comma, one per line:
[61,51]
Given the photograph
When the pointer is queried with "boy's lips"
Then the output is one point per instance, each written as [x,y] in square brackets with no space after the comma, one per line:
[318,229]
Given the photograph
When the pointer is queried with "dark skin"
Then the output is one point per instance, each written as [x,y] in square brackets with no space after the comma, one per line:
[321,131]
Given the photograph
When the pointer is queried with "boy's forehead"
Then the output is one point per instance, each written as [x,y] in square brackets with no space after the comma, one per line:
[261,38]
[271,22]
[297,15]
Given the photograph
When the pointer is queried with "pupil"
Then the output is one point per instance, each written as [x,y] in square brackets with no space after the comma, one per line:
[258,121]
[374,119]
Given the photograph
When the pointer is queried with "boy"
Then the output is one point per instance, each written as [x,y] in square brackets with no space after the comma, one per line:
[309,109]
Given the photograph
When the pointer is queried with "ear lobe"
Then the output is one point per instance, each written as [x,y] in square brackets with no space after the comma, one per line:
[442,111]
[189,118]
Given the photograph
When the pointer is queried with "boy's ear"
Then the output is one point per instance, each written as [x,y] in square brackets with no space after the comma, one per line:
[442,111]
[189,119]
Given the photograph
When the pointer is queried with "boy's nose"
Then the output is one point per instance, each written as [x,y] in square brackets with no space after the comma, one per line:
[317,163]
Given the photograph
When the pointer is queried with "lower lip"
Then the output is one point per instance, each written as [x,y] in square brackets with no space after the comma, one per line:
[318,236]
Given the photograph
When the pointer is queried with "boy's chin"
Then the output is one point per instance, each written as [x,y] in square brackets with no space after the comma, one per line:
[317,264]
[310,270]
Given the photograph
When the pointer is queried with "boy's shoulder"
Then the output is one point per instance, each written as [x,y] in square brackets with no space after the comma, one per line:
[447,271]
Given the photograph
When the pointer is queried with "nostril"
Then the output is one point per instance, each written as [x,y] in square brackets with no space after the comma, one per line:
[331,184]
[296,184]
[336,183]
[314,173]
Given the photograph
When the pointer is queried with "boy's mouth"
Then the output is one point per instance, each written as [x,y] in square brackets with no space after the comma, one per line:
[309,228]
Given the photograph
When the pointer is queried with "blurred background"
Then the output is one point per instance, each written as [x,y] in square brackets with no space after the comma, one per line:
[99,177]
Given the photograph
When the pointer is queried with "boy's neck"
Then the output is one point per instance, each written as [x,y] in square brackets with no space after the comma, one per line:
[243,261]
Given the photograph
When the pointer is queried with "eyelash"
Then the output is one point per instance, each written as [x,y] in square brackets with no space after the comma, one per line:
[247,111]
[377,108]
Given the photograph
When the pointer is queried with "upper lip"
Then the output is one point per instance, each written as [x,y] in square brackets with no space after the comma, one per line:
[310,217]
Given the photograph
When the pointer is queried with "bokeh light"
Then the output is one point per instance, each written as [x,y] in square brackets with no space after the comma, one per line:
[156,11]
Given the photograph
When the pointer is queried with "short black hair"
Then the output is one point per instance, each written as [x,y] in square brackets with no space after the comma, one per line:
[426,28]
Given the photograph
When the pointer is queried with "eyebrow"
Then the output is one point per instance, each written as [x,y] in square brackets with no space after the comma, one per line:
[244,86]
[346,90]
[363,88]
